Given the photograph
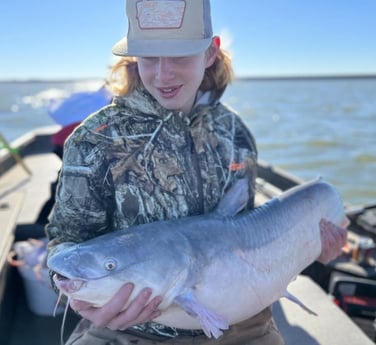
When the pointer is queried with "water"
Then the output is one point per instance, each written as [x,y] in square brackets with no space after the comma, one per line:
[23,106]
[317,127]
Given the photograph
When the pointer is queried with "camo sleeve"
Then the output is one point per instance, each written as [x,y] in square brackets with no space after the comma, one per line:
[248,155]
[81,209]
[241,149]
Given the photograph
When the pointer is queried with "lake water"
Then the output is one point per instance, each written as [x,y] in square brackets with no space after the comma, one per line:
[310,127]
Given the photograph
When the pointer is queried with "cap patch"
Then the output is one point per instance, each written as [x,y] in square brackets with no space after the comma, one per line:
[160,14]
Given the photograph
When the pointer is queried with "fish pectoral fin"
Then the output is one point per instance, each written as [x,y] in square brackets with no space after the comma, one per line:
[211,323]
[294,299]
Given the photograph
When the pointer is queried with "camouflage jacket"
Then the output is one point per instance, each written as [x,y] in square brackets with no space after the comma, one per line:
[135,162]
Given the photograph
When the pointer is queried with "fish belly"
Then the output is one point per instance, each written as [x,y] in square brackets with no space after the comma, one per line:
[254,279]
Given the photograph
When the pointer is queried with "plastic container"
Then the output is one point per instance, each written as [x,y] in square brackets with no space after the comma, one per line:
[29,258]
[40,296]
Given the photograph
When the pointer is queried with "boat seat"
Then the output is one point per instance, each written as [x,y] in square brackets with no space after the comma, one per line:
[356,296]
[367,220]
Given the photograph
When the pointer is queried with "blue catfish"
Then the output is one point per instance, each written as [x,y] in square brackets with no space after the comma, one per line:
[212,270]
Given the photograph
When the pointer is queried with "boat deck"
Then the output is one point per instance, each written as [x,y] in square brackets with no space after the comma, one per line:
[18,325]
[330,326]
[21,198]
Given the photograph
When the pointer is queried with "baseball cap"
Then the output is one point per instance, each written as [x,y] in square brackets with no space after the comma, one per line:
[166,28]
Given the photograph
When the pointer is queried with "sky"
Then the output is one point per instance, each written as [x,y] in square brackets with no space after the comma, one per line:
[72,39]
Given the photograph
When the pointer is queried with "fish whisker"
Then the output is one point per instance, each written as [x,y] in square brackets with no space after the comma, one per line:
[58,302]
[64,318]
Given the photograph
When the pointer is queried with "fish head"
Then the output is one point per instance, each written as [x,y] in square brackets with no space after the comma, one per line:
[82,274]
[83,262]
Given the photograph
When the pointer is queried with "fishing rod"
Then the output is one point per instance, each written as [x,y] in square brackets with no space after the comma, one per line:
[14,152]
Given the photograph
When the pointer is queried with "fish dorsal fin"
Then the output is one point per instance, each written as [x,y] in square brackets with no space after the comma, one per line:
[235,199]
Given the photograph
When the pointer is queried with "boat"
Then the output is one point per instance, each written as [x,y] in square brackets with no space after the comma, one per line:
[342,293]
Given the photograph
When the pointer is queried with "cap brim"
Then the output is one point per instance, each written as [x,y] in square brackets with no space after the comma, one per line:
[168,48]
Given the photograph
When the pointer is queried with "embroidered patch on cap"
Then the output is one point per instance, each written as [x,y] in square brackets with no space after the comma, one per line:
[160,14]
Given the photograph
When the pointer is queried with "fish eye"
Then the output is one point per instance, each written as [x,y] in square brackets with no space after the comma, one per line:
[110,265]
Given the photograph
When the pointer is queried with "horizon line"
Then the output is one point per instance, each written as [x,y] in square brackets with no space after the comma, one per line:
[242,77]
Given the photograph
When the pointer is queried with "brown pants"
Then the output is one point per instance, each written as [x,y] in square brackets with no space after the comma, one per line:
[258,330]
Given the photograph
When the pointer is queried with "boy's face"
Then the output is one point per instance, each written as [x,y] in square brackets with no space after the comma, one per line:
[174,81]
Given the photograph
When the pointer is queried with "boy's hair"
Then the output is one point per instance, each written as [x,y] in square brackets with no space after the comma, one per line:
[124,76]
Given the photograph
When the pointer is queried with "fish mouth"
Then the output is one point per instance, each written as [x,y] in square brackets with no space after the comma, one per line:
[68,285]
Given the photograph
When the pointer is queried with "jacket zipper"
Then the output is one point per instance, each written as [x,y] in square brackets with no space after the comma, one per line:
[196,166]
